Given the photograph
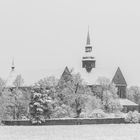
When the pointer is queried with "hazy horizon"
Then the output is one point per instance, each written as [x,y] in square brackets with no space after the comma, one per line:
[45,36]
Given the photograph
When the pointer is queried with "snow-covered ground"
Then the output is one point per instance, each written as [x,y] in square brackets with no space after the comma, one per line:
[72,132]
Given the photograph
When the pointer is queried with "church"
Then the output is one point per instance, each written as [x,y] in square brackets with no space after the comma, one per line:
[90,73]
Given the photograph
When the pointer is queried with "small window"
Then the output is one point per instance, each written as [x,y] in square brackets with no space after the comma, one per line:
[88,49]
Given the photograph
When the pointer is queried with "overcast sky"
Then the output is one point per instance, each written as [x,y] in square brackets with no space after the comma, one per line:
[45,35]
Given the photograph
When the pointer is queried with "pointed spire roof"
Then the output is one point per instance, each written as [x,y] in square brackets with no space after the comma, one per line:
[12,76]
[119,79]
[66,75]
[88,37]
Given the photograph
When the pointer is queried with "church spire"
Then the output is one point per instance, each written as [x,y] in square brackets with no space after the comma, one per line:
[120,83]
[88,61]
[88,38]
[13,65]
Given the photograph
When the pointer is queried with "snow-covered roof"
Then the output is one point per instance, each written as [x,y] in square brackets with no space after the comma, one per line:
[91,78]
[126,102]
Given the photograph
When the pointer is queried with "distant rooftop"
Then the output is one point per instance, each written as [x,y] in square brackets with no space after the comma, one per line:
[126,102]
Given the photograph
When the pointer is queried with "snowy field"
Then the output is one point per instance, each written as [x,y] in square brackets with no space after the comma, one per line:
[72,132]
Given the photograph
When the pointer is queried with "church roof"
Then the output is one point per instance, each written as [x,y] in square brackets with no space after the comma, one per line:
[66,75]
[118,78]
[126,102]
[92,77]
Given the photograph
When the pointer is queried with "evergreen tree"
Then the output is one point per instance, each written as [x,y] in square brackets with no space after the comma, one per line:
[42,101]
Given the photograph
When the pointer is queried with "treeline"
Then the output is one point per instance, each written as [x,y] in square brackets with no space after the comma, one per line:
[60,98]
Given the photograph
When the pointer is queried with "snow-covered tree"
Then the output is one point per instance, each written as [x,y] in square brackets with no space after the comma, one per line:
[108,95]
[73,93]
[47,83]
[92,103]
[36,109]
[2,85]
[42,102]
[105,85]
[133,94]
[19,81]
[14,104]
[62,111]
[110,103]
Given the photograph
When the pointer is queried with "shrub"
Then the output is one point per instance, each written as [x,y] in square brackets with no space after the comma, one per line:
[83,115]
[119,114]
[114,106]
[97,113]
[92,103]
[132,117]
[110,103]
[62,111]
[24,117]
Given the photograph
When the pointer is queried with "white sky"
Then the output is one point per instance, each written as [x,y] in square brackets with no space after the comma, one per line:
[48,35]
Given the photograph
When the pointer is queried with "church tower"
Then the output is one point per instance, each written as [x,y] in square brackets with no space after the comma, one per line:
[120,83]
[88,61]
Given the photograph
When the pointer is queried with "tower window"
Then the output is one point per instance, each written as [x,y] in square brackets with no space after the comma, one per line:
[88,49]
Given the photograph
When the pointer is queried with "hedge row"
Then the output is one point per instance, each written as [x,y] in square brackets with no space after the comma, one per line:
[68,121]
